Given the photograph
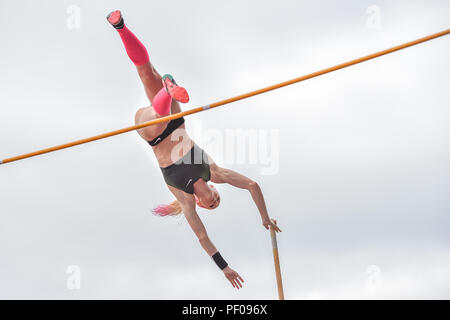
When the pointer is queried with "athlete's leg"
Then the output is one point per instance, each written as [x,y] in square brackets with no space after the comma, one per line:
[138,54]
[157,94]
[151,79]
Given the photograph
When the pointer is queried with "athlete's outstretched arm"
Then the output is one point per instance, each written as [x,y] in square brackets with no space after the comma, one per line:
[222,175]
[188,206]
[197,226]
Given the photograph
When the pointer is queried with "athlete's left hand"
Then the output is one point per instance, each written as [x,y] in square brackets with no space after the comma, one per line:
[271,223]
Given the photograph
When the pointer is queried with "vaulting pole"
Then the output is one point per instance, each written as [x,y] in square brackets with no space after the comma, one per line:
[230,100]
[276,260]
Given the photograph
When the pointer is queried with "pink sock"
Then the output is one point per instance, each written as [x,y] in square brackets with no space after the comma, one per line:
[135,49]
[162,102]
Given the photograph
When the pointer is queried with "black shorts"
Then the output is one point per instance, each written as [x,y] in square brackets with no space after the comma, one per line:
[186,171]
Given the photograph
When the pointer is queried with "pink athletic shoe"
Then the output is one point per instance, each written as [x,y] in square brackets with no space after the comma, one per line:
[175,91]
[115,18]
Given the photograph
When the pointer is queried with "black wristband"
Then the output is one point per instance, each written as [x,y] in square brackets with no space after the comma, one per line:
[221,263]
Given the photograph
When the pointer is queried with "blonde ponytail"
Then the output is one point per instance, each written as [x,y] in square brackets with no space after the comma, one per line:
[164,210]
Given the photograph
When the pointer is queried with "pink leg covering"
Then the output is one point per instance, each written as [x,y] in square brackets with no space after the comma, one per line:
[135,49]
[162,102]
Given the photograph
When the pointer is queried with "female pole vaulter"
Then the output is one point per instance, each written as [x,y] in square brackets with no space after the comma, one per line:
[186,168]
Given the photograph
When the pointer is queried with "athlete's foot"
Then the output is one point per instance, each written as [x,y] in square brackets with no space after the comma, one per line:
[115,18]
[177,92]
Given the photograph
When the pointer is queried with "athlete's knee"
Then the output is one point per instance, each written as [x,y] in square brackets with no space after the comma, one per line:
[148,72]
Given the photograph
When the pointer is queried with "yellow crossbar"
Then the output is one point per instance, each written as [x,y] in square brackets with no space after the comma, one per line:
[230,100]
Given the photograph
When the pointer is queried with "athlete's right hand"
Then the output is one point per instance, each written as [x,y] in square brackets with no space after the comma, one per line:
[234,278]
[271,223]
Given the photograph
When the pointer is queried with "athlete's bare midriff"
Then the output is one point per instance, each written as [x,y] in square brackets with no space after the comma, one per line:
[172,148]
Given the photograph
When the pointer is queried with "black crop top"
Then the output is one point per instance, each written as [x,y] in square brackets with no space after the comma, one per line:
[171,127]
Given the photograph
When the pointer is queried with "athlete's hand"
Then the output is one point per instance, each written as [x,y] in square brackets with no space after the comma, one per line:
[234,278]
[271,224]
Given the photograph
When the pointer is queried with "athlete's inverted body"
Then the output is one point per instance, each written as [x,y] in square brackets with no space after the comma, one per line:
[185,166]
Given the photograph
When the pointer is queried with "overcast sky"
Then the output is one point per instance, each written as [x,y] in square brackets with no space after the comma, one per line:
[354,165]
